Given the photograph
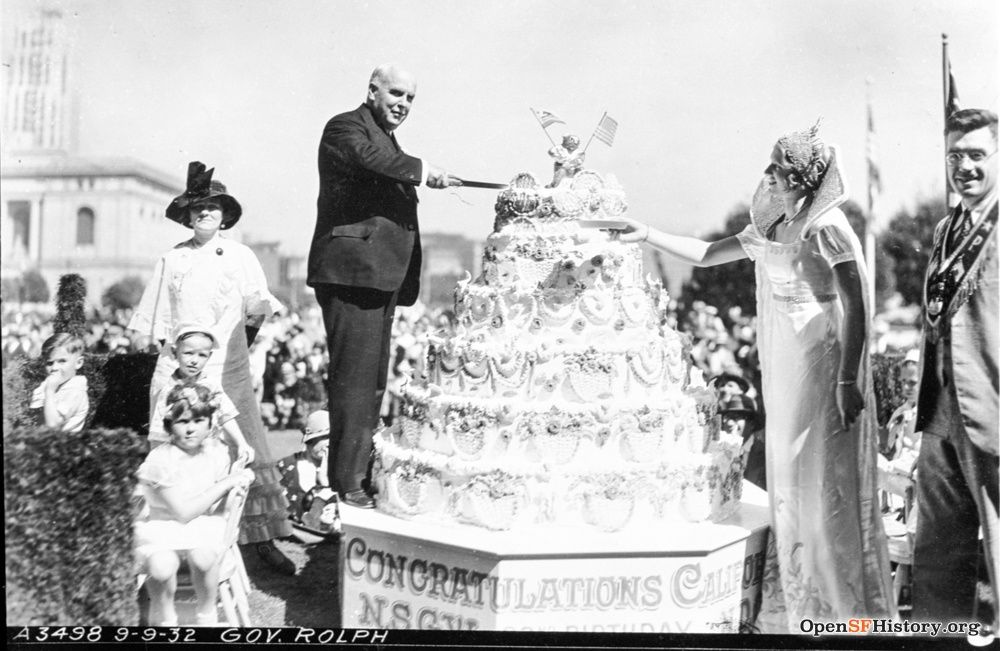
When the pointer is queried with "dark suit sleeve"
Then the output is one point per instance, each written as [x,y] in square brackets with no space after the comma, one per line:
[349,141]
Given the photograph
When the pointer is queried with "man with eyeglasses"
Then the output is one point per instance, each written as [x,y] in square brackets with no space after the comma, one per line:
[957,403]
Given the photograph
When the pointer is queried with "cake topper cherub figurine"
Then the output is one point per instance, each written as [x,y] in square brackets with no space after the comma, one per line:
[568,160]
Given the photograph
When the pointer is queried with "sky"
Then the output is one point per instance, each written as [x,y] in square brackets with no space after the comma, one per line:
[700,89]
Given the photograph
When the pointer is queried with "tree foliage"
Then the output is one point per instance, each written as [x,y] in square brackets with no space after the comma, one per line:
[726,285]
[907,243]
[124,293]
[33,288]
[10,289]
[885,277]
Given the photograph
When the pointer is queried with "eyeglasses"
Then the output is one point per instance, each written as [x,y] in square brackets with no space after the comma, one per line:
[956,158]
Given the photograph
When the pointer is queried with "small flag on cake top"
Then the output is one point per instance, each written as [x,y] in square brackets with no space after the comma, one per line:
[546,118]
[606,130]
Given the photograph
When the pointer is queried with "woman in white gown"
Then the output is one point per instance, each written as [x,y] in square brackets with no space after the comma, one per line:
[217,283]
[827,556]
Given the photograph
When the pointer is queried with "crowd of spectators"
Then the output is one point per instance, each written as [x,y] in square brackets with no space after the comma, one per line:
[289,358]
[24,331]
[288,362]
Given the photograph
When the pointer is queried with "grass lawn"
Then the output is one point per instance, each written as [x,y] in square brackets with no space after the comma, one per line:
[307,599]
[310,597]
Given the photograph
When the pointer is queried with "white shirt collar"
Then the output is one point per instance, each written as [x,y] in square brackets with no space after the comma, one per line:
[977,210]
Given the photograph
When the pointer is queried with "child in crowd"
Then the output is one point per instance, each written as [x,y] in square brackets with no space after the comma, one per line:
[62,397]
[192,348]
[183,483]
[312,503]
[739,416]
[897,461]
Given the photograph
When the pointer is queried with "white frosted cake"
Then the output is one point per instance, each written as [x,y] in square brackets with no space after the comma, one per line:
[563,397]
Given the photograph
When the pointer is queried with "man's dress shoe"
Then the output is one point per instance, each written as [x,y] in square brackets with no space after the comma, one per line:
[358,499]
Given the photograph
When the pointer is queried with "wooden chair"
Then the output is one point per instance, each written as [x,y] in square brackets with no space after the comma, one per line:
[234,584]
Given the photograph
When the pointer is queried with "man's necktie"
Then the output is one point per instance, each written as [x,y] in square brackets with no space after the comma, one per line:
[962,229]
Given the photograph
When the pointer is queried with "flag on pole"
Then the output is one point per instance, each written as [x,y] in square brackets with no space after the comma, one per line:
[606,130]
[950,104]
[871,154]
[546,118]
[951,92]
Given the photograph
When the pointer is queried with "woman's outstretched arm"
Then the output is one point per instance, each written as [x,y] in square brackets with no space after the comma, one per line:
[687,249]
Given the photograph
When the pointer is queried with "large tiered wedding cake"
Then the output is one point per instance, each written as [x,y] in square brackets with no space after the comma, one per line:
[563,398]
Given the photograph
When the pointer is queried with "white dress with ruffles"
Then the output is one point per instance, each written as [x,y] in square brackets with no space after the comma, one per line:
[217,285]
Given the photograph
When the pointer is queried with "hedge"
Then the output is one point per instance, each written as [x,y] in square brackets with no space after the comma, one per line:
[68,514]
[68,524]
[117,385]
[125,402]
[24,375]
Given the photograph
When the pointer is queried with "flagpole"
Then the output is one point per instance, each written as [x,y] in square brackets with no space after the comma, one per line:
[595,131]
[870,251]
[946,87]
[542,126]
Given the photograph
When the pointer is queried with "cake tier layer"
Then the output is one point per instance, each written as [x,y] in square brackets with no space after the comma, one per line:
[572,312]
[603,431]
[540,369]
[585,196]
[574,260]
[607,493]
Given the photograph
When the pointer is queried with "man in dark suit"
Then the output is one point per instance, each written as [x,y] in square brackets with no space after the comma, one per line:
[364,261]
[957,404]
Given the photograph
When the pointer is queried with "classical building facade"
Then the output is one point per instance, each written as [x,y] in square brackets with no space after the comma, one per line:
[61,212]
[100,218]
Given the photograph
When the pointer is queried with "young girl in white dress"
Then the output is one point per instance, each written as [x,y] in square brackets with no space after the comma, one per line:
[184,483]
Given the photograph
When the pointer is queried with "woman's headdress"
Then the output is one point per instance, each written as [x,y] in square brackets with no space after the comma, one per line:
[200,188]
[805,155]
[815,164]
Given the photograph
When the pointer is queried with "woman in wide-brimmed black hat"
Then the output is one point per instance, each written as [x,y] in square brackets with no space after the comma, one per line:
[219,284]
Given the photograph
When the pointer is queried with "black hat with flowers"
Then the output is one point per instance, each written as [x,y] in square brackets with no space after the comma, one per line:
[201,188]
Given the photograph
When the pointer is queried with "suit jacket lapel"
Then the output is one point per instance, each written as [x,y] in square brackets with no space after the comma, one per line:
[408,190]
[387,141]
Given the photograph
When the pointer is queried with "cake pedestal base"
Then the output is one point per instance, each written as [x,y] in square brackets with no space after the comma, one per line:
[671,578]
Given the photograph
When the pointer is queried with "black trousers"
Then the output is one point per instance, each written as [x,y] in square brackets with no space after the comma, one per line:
[358,323]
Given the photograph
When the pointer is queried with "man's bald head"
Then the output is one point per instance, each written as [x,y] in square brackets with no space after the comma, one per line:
[391,91]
